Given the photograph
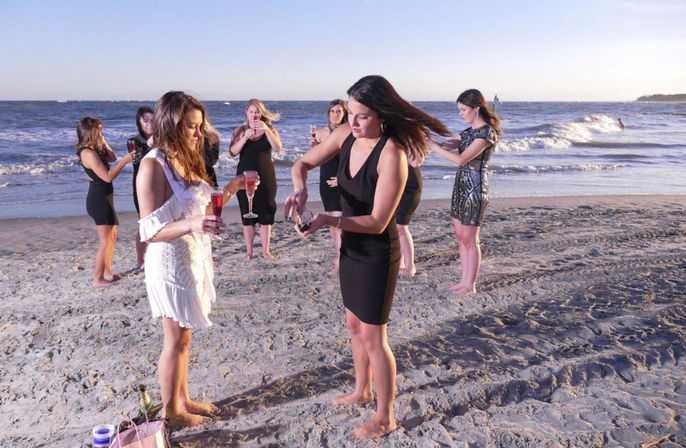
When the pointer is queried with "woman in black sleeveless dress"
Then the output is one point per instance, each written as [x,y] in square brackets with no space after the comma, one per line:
[254,141]
[372,172]
[139,146]
[474,145]
[95,156]
[337,114]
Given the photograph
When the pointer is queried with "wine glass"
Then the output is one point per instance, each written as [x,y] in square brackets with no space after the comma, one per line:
[131,146]
[313,133]
[217,202]
[251,178]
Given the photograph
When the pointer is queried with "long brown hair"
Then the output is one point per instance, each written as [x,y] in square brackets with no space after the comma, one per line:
[168,134]
[405,123]
[344,116]
[89,134]
[265,115]
[474,98]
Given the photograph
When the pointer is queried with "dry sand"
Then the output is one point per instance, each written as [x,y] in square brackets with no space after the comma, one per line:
[575,338]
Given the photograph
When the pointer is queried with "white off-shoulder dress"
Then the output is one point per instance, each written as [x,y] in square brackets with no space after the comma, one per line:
[179,272]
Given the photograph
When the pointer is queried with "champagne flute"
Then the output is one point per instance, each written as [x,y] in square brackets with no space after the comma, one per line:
[131,145]
[217,202]
[313,133]
[251,178]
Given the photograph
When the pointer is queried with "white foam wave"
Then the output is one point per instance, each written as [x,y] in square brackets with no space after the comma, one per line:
[64,136]
[33,170]
[528,169]
[561,135]
[4,185]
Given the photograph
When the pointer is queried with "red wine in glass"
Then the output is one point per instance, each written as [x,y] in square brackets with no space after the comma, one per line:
[217,202]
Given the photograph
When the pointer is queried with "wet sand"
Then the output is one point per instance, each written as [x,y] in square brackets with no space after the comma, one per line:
[575,336]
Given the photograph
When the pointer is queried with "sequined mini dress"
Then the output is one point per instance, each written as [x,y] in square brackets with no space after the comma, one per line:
[470,192]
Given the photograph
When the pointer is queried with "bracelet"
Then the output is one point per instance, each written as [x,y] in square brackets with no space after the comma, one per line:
[338,223]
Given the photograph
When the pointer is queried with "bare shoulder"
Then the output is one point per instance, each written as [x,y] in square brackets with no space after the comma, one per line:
[341,133]
[393,153]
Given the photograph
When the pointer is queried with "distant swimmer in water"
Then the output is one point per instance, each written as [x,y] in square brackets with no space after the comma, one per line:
[621,123]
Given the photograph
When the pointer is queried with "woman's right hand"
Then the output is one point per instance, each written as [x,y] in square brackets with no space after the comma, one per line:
[209,224]
[295,203]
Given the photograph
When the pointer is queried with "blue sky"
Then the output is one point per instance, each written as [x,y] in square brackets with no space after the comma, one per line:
[430,50]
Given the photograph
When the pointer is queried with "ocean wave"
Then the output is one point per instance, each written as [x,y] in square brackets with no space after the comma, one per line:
[593,144]
[66,137]
[528,169]
[34,169]
[559,135]
[3,185]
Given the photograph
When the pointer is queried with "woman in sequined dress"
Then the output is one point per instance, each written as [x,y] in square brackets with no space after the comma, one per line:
[474,146]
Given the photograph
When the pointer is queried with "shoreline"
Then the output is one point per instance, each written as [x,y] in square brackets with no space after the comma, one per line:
[576,335]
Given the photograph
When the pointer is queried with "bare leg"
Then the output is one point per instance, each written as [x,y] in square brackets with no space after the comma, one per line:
[249,236]
[173,371]
[190,406]
[470,256]
[383,367]
[406,251]
[140,251]
[363,373]
[101,256]
[265,237]
[336,236]
[112,238]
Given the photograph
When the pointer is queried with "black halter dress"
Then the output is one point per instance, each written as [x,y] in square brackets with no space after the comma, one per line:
[369,263]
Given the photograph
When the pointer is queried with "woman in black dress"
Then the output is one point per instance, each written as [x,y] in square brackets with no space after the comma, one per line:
[328,184]
[408,204]
[474,145]
[382,129]
[254,141]
[139,146]
[95,156]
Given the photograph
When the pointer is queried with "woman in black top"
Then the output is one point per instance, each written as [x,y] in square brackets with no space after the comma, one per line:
[337,114]
[408,204]
[211,151]
[254,141]
[95,156]
[474,145]
[372,172]
[139,146]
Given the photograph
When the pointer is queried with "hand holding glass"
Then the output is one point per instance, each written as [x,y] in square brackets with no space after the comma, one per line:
[251,178]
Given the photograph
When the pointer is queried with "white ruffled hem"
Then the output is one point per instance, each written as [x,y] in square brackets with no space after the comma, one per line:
[178,303]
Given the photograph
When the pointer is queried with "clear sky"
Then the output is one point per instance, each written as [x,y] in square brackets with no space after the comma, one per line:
[585,50]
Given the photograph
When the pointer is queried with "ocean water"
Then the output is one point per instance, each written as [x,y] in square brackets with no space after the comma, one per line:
[547,149]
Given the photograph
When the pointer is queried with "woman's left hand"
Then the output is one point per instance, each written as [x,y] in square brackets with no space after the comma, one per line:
[314,225]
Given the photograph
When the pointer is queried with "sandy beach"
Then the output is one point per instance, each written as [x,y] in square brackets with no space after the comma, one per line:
[575,338]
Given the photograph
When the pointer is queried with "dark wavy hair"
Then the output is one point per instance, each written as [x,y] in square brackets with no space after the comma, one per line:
[89,134]
[406,124]
[139,114]
[474,98]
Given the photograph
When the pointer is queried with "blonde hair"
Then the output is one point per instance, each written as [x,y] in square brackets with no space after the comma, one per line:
[169,137]
[265,115]
[210,134]
[89,134]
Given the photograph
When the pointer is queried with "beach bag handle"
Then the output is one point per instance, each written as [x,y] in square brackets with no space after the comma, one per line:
[152,435]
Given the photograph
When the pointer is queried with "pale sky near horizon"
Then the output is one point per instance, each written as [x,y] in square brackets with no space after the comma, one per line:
[604,50]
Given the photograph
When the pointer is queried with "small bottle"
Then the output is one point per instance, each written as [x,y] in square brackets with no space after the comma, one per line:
[145,402]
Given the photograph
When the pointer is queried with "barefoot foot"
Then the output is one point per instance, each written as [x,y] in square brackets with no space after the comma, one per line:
[102,283]
[408,272]
[112,277]
[268,256]
[462,290]
[373,428]
[202,408]
[186,419]
[352,398]
[334,270]
[247,257]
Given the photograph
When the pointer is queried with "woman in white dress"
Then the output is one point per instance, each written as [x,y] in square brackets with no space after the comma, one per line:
[173,195]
